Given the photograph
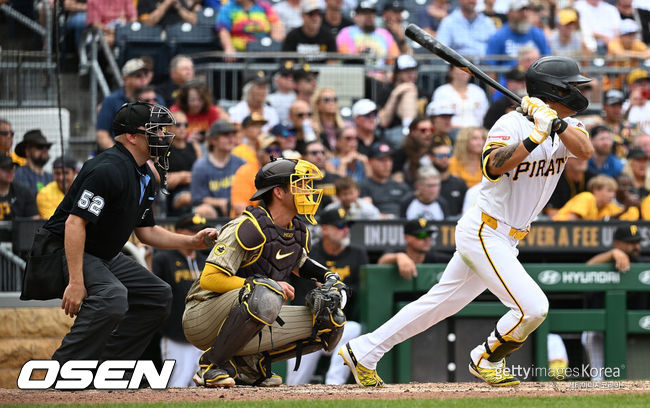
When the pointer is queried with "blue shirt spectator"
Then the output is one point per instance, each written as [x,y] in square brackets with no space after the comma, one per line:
[466,31]
[603,161]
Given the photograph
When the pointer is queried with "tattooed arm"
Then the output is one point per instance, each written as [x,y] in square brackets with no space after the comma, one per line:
[505,158]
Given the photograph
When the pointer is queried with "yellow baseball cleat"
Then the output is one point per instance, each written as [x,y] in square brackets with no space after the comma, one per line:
[558,369]
[496,377]
[362,375]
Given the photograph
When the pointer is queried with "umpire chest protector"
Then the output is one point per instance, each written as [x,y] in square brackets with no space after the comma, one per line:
[279,248]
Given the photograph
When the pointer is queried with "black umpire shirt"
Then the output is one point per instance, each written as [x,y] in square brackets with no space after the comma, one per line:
[115,195]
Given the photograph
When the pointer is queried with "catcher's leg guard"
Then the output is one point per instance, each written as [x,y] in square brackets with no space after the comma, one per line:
[505,346]
[261,301]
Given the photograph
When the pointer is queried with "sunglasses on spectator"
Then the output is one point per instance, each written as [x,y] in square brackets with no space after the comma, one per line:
[41,147]
[182,124]
[443,155]
[315,152]
[327,99]
[273,151]
[370,115]
[423,235]
[341,225]
[303,114]
[314,13]
[7,133]
[140,74]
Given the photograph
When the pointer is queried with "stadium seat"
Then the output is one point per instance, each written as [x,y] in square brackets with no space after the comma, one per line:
[136,39]
[185,38]
[206,17]
[266,44]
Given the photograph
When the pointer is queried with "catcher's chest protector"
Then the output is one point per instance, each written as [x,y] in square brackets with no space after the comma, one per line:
[282,250]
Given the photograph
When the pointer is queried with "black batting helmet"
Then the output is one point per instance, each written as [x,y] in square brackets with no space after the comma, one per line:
[554,79]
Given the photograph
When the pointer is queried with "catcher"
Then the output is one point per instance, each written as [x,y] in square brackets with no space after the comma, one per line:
[235,311]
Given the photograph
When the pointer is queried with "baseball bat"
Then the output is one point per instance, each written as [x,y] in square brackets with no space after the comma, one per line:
[426,40]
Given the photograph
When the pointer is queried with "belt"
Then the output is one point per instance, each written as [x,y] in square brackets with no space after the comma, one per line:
[503,228]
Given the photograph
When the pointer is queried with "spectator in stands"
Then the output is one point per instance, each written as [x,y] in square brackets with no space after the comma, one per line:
[134,73]
[622,130]
[385,193]
[596,203]
[465,30]
[7,142]
[514,34]
[414,151]
[181,71]
[452,188]
[212,174]
[429,19]
[600,23]
[626,9]
[76,19]
[497,16]
[146,94]
[310,39]
[628,48]
[365,38]
[182,155]
[336,252]
[566,40]
[15,199]
[638,105]
[441,113]
[347,193]
[36,150]
[254,95]
[240,22]
[417,235]
[106,15]
[574,181]
[180,268]
[333,19]
[326,121]
[195,100]
[243,185]
[636,167]
[604,161]
[285,91]
[627,198]
[286,137]
[364,114]
[466,161]
[394,23]
[248,137]
[306,80]
[516,82]
[398,100]
[347,161]
[300,124]
[65,170]
[316,153]
[290,13]
[167,12]
[642,10]
[426,201]
[469,101]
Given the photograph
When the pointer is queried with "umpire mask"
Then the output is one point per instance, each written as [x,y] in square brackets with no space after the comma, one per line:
[155,119]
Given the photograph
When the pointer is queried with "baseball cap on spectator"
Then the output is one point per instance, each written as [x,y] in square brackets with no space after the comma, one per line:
[393,5]
[636,153]
[258,77]
[439,108]
[379,150]
[516,5]
[266,140]
[365,5]
[280,130]
[221,127]
[567,16]
[515,74]
[614,96]
[334,217]
[192,222]
[254,119]
[64,163]
[133,66]
[418,227]
[6,163]
[404,62]
[307,6]
[628,26]
[637,74]
[303,71]
[32,137]
[363,107]
[627,233]
[286,68]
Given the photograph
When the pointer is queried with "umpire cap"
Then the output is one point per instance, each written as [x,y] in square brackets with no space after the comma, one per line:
[275,173]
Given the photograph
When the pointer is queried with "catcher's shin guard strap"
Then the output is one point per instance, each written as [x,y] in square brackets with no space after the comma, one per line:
[504,347]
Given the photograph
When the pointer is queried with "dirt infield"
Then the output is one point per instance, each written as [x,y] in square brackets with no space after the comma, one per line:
[313,392]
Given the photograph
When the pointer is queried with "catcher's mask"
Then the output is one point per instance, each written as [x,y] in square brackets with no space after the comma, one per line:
[555,78]
[300,176]
[155,119]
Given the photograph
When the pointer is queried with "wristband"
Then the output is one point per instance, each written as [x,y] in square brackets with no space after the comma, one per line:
[562,128]
[529,145]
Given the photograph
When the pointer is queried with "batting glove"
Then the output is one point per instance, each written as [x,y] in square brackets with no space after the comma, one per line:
[543,117]
[530,105]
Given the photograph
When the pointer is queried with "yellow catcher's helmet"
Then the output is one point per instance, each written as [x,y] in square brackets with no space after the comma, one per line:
[300,176]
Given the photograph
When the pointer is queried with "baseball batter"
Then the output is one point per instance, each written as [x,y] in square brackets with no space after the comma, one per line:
[522,162]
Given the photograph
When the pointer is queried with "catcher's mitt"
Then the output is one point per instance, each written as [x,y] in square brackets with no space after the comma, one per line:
[324,302]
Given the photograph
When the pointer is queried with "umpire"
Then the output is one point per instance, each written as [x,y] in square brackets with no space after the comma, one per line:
[119,304]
